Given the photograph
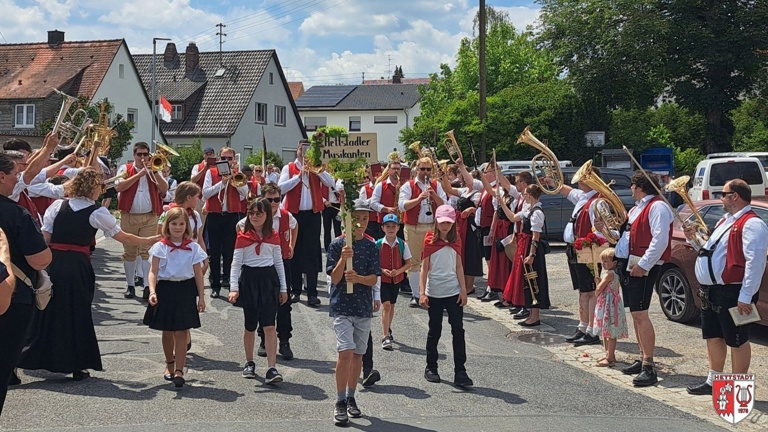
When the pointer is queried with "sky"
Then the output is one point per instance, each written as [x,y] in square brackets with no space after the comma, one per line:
[318,42]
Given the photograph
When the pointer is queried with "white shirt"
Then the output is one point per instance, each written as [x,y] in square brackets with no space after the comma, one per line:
[333,193]
[375,202]
[579,199]
[46,189]
[405,195]
[273,177]
[364,192]
[755,248]
[198,222]
[177,265]
[21,186]
[537,217]
[660,217]
[286,183]
[406,250]
[142,202]
[442,280]
[195,170]
[270,255]
[171,191]
[517,201]
[101,218]
[210,189]
[275,222]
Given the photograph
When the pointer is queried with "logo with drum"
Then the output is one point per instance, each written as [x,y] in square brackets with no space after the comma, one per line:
[733,396]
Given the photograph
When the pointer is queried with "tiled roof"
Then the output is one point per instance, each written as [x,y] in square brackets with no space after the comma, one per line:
[222,100]
[297,89]
[32,70]
[424,81]
[362,98]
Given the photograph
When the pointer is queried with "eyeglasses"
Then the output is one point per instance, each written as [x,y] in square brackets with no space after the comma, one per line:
[425,169]
[258,171]
[227,158]
[725,194]
[273,200]
[142,154]
[256,213]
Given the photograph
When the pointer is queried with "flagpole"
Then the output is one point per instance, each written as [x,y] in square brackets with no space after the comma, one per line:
[155,121]
[263,152]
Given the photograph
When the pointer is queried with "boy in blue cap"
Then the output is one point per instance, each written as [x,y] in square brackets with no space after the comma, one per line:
[395,259]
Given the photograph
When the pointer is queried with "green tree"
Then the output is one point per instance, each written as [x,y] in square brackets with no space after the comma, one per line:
[750,121]
[272,158]
[189,156]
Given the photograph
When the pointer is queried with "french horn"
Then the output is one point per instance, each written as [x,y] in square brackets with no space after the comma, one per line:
[546,161]
[608,207]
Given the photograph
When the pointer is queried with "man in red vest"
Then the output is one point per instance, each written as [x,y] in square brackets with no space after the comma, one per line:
[385,193]
[330,213]
[643,247]
[418,200]
[366,193]
[729,269]
[140,203]
[581,223]
[199,170]
[224,203]
[304,200]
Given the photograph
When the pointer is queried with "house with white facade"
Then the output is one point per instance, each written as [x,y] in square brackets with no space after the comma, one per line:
[225,99]
[95,70]
[371,112]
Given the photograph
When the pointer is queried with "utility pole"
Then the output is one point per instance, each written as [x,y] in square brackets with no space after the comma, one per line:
[481,65]
[221,35]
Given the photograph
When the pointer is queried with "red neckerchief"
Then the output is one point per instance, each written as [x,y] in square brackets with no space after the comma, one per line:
[183,246]
[430,247]
[190,211]
[246,239]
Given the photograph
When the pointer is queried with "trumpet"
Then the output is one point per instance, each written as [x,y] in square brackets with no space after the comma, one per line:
[112,181]
[531,280]
[159,159]
[454,151]
[545,160]
[65,124]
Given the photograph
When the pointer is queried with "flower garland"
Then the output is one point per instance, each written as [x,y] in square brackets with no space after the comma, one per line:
[314,154]
[352,174]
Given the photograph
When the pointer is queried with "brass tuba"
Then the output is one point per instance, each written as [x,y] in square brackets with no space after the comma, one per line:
[416,148]
[65,125]
[608,207]
[454,152]
[680,186]
[546,161]
[159,159]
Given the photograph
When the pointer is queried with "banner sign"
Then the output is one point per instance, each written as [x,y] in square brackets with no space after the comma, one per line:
[349,148]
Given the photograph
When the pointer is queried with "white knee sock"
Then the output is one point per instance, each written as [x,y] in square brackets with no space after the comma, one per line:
[145,271]
[711,376]
[413,278]
[130,272]
[588,331]
[583,327]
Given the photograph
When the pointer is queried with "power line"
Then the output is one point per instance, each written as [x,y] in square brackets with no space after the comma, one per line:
[1,35]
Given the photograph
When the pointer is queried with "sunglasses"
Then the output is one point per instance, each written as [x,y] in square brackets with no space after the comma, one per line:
[258,171]
[227,158]
[256,213]
[425,169]
[725,194]
[142,154]
[273,200]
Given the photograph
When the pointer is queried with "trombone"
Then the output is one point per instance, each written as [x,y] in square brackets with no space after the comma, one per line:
[159,159]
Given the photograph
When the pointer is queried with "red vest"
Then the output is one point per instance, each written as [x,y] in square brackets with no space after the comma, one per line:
[200,167]
[125,198]
[486,210]
[411,217]
[213,204]
[390,259]
[283,231]
[388,198]
[368,190]
[734,255]
[640,233]
[26,202]
[61,171]
[42,203]
[293,196]
[583,225]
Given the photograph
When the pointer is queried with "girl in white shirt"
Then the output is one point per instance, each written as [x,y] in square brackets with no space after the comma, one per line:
[257,284]
[175,279]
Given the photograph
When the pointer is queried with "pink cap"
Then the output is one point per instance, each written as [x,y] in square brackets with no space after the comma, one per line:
[445,213]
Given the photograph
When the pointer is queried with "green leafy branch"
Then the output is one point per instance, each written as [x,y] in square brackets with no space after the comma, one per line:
[318,140]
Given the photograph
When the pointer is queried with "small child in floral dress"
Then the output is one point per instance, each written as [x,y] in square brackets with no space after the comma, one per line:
[610,320]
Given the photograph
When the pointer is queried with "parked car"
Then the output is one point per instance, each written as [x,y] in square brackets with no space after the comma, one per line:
[677,285]
[557,208]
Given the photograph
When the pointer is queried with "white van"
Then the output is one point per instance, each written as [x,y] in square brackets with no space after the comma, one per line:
[712,174]
[762,156]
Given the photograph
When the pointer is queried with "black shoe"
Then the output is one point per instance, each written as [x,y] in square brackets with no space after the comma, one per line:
[178,380]
[431,376]
[414,303]
[500,304]
[352,408]
[578,335]
[633,369]
[189,345]
[215,292]
[340,413]
[513,310]
[533,324]
[587,340]
[138,281]
[130,292]
[700,389]
[481,294]
[371,378]
[80,375]
[523,314]
[489,296]
[646,378]
[295,298]
[14,379]
[285,351]
[261,352]
[225,284]
[249,371]
[273,376]
[313,301]
[461,379]
[145,294]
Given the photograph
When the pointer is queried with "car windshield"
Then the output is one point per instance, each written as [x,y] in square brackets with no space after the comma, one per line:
[713,213]
[747,171]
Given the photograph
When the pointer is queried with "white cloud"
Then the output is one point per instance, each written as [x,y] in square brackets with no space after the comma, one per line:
[351,23]
[159,15]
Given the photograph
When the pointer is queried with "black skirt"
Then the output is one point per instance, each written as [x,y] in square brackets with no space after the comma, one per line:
[62,337]
[259,288]
[176,307]
[473,252]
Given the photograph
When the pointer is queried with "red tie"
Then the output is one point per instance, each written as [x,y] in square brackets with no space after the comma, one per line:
[183,246]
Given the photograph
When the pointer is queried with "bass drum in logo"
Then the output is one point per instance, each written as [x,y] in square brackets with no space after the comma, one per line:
[733,396]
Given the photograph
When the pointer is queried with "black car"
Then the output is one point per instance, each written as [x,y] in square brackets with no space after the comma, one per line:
[557,208]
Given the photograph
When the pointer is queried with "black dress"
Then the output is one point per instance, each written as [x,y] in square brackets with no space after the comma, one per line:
[473,241]
[63,338]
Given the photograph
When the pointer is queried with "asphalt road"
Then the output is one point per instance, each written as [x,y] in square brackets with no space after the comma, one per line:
[518,383]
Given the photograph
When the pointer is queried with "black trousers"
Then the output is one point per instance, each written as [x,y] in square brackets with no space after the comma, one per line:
[221,235]
[284,323]
[13,332]
[306,257]
[368,357]
[329,218]
[374,229]
[456,320]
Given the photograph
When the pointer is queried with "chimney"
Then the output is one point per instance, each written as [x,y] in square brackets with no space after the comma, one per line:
[55,38]
[171,56]
[191,58]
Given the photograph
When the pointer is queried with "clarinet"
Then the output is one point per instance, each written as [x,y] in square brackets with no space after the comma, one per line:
[428,201]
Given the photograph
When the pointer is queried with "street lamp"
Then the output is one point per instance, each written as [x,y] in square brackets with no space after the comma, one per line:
[155,121]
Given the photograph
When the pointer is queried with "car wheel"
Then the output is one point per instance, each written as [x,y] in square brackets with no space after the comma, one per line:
[675,296]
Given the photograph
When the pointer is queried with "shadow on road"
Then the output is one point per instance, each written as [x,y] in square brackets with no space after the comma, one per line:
[306,391]
[407,391]
[503,396]
[377,424]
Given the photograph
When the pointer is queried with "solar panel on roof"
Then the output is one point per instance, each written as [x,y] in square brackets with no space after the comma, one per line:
[324,96]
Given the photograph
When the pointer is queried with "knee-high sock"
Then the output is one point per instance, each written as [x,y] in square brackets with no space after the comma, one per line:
[413,279]
[139,273]
[130,272]
[145,270]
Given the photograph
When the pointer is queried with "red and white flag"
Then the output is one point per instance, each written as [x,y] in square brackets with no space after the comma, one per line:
[165,109]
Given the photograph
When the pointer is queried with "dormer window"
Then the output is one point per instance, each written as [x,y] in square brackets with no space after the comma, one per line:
[25,116]
[177,112]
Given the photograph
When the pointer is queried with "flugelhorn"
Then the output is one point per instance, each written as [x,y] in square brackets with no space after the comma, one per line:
[546,161]
[454,152]
[608,207]
[701,232]
[238,179]
[65,125]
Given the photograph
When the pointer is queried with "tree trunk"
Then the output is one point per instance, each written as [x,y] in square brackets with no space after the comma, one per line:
[719,131]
